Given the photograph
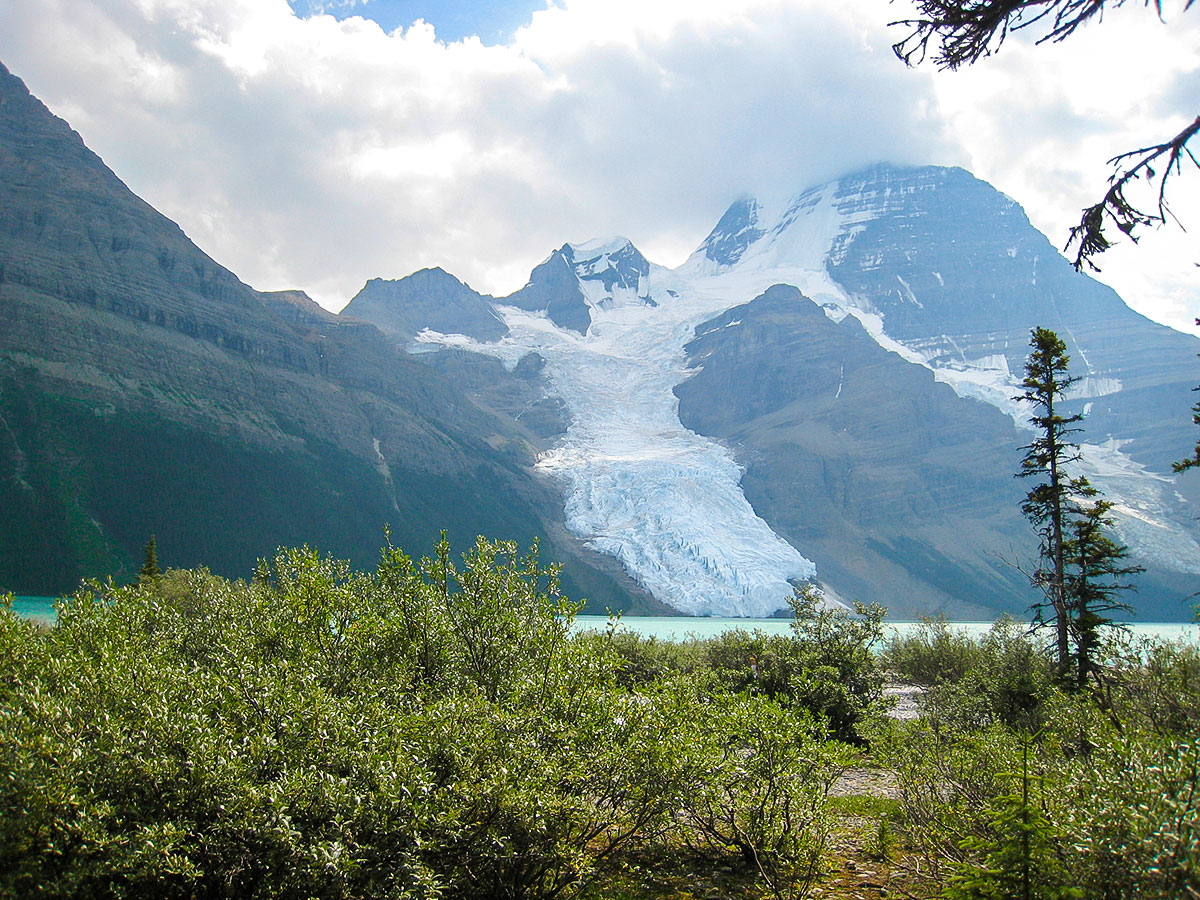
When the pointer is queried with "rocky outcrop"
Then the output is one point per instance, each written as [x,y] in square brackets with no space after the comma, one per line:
[429,298]
[553,288]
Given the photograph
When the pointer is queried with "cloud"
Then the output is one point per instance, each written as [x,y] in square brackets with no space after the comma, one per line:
[315,153]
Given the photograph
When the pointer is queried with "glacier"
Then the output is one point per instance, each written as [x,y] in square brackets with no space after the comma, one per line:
[662,499]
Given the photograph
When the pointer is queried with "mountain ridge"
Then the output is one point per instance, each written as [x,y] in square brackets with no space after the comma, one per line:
[867,247]
[146,389]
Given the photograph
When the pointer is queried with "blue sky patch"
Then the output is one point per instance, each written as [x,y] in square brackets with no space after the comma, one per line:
[493,23]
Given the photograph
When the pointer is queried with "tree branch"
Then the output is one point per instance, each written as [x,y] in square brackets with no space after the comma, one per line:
[965,31]
[968,30]
[1089,235]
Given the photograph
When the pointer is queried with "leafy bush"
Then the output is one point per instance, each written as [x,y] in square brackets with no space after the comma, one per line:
[827,665]
[754,661]
[644,660]
[767,773]
[428,729]
[1101,801]
[932,654]
[1007,682]
[1154,685]
[834,671]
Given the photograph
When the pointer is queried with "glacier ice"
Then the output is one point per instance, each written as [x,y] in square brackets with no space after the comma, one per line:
[664,500]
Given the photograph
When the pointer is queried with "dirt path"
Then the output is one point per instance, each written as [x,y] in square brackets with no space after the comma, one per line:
[866,862]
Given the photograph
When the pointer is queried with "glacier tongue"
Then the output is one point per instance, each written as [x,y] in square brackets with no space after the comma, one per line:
[664,500]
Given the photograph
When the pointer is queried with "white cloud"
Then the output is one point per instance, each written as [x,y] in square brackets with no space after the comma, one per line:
[316,154]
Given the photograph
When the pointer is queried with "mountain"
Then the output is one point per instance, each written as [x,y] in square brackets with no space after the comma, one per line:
[577,277]
[821,392]
[948,273]
[959,276]
[824,390]
[430,298]
[880,474]
[145,389]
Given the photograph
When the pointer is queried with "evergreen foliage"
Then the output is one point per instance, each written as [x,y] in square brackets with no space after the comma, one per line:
[1095,576]
[1046,457]
[150,569]
[1194,460]
[1018,857]
[1082,567]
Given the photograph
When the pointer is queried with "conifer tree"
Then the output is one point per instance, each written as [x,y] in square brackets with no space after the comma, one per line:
[150,570]
[1021,854]
[1096,569]
[1194,460]
[1047,503]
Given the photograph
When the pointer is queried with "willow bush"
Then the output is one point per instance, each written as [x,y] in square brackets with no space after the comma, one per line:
[1013,787]
[429,729]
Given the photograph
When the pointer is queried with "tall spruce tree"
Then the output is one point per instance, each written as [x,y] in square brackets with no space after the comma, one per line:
[1048,502]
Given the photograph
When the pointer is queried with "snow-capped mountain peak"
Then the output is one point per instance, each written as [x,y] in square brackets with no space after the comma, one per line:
[737,229]
[729,436]
[577,280]
[612,273]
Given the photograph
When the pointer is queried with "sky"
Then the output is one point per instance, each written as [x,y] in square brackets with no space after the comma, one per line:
[319,143]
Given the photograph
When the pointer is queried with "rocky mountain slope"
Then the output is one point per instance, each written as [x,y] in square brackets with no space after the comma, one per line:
[883,476]
[145,389]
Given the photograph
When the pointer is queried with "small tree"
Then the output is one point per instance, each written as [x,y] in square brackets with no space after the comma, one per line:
[150,570]
[1194,460]
[1021,856]
[1096,569]
[1046,504]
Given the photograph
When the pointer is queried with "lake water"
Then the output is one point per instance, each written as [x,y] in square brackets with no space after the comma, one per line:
[675,628]
[40,609]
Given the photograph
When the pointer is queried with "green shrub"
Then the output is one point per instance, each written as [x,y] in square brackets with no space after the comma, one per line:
[423,730]
[754,661]
[644,660]
[932,654]
[767,774]
[1154,685]
[834,670]
[1007,683]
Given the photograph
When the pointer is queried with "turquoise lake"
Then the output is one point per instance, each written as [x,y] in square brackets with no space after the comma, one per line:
[675,628]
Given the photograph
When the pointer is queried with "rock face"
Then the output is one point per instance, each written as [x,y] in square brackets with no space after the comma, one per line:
[578,278]
[880,474]
[430,298]
[145,389]
[959,275]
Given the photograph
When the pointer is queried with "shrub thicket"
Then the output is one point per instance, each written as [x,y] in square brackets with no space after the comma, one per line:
[1013,787]
[424,730]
